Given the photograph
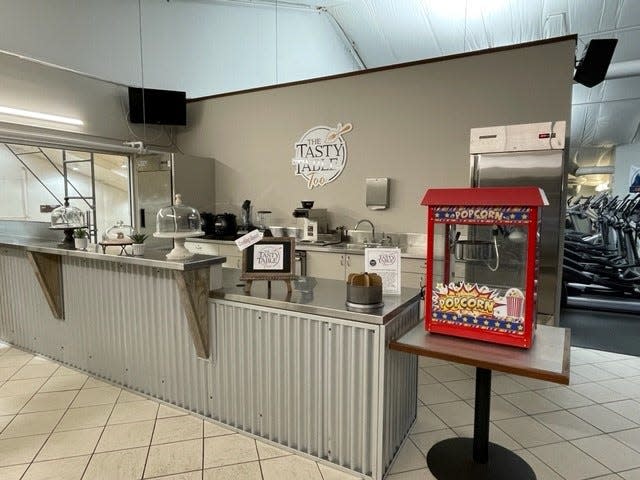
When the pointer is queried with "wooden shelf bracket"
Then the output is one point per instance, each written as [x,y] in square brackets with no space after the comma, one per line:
[193,287]
[48,270]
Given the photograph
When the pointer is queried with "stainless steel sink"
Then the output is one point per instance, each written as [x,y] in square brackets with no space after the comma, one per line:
[348,246]
[358,246]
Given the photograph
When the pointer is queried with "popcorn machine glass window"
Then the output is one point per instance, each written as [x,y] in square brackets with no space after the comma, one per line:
[487,239]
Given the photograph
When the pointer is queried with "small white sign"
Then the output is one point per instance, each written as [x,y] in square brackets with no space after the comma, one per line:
[268,257]
[386,263]
[254,236]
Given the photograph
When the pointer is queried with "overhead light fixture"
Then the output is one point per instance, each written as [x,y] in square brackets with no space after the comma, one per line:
[40,116]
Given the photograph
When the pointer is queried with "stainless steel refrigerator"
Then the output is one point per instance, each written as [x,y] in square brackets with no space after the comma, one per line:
[529,155]
[152,186]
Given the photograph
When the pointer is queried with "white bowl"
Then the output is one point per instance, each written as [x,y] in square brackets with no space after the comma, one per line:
[295,232]
[278,231]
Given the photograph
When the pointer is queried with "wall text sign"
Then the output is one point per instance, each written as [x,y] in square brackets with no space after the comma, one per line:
[321,154]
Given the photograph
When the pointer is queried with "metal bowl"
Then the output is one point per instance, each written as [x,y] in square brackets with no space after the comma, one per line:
[364,295]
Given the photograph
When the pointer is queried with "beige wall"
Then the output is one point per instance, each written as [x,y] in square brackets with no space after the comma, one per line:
[102,106]
[410,124]
[194,180]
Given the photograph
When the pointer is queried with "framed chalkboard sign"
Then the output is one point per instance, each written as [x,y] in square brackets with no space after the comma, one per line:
[272,258]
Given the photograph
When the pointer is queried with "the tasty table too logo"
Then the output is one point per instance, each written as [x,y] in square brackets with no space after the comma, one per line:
[321,154]
[268,257]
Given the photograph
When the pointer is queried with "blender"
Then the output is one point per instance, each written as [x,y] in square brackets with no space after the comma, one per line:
[245,218]
[263,219]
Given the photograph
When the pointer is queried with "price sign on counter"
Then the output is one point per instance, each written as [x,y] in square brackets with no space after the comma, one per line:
[386,263]
[249,239]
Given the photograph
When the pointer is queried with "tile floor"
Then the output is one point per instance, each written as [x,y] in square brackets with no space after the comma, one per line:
[590,429]
[56,423]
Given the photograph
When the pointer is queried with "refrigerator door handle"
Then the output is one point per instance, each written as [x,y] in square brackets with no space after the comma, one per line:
[142,219]
[474,170]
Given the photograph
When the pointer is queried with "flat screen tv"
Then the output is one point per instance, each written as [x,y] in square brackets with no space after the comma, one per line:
[158,107]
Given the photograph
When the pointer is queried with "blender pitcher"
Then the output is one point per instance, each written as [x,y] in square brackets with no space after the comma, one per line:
[245,216]
[263,219]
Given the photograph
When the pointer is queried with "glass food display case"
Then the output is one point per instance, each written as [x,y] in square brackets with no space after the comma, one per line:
[178,221]
[67,218]
[488,241]
[119,231]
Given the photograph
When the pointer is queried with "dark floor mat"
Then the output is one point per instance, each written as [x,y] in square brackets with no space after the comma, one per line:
[610,331]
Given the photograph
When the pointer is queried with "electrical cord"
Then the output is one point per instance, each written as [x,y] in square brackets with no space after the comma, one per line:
[495,246]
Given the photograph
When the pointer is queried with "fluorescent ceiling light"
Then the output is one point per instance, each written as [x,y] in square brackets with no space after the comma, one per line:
[120,173]
[40,116]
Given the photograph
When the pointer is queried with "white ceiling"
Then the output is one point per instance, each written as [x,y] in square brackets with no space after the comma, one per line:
[228,45]
[384,32]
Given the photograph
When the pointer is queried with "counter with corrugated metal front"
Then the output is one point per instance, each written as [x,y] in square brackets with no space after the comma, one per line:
[318,381]
[303,370]
[310,295]
[151,258]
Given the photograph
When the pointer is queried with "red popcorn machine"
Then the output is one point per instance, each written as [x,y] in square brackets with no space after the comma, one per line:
[486,240]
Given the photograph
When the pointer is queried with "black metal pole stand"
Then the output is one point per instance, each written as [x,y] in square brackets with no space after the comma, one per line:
[476,458]
[481,416]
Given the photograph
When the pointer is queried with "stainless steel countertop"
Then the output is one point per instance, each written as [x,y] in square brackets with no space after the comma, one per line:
[419,252]
[316,296]
[151,258]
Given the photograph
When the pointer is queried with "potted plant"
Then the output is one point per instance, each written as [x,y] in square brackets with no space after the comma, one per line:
[138,242]
[80,238]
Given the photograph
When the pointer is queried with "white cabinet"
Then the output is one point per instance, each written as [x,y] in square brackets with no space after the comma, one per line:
[336,266]
[203,248]
[234,256]
[412,271]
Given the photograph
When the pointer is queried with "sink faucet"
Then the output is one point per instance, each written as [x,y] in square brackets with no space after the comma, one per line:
[373,229]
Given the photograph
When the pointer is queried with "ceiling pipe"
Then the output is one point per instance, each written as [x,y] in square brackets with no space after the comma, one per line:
[603,170]
[627,69]
[349,44]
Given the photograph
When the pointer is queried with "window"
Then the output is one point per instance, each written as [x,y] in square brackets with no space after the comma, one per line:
[32,183]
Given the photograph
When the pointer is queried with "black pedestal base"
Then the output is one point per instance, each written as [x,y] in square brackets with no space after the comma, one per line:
[68,243]
[452,459]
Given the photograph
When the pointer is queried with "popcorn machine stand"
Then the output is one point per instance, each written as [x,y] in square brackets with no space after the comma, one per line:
[488,241]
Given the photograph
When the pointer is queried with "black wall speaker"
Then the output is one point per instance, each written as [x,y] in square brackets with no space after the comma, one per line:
[593,66]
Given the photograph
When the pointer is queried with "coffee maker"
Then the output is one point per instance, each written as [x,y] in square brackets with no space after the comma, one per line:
[318,215]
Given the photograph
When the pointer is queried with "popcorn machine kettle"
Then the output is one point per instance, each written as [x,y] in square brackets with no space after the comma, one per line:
[487,239]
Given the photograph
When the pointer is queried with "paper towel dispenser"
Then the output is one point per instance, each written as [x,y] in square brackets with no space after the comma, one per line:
[377,193]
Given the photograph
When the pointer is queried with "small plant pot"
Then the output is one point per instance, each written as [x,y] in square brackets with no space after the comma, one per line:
[81,243]
[137,249]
